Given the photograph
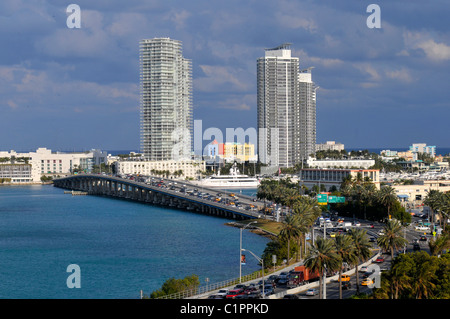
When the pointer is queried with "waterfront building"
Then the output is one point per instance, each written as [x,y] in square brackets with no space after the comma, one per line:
[166,119]
[423,148]
[15,173]
[186,168]
[340,163]
[330,146]
[334,177]
[286,107]
[45,162]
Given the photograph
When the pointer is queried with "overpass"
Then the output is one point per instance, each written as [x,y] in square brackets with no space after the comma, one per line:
[103,185]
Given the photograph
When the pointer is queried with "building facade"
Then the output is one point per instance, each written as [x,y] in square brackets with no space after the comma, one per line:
[187,168]
[286,100]
[423,148]
[330,146]
[334,177]
[166,119]
[340,163]
[44,162]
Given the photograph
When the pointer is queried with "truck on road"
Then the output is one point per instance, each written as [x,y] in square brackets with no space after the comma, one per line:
[301,276]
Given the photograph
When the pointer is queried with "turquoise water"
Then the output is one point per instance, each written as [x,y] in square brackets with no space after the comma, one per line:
[120,246]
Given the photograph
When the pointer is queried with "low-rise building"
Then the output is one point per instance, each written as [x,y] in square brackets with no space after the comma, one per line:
[418,191]
[334,177]
[187,168]
[44,162]
[330,146]
[340,163]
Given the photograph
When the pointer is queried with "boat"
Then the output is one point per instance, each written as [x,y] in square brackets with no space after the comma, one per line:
[233,180]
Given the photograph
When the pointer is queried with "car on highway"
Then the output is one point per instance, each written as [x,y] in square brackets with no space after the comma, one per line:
[357,223]
[363,269]
[222,292]
[366,282]
[422,228]
[346,285]
[416,246]
[233,293]
[423,238]
[379,260]
[312,292]
[345,278]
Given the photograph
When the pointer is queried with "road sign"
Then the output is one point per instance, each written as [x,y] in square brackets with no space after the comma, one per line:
[322,198]
[336,199]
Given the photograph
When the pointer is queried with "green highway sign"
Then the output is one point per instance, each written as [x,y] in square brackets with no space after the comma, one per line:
[322,198]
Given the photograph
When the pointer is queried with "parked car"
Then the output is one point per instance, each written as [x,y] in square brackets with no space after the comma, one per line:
[312,292]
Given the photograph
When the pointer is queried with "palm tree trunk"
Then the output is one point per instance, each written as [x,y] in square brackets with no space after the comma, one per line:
[320,286]
[340,283]
[357,277]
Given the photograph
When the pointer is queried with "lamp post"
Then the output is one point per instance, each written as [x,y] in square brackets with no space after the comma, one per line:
[262,268]
[240,249]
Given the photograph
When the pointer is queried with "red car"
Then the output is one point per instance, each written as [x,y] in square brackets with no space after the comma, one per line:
[379,260]
[233,293]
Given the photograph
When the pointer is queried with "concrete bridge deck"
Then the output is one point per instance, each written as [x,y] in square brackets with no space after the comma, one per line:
[104,185]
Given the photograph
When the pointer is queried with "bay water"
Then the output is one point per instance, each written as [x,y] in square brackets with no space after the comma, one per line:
[121,247]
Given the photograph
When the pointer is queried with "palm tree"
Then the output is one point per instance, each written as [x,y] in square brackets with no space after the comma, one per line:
[362,246]
[288,231]
[344,248]
[321,257]
[393,238]
[435,200]
[387,197]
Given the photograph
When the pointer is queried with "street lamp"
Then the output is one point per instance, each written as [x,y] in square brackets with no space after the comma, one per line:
[262,268]
[240,249]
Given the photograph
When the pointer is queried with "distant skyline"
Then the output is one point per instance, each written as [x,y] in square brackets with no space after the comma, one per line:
[78,89]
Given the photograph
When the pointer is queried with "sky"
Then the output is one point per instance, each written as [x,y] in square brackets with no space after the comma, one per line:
[72,89]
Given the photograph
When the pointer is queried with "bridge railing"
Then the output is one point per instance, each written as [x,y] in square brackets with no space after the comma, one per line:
[212,287]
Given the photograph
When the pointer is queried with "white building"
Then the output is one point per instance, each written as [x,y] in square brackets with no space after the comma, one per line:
[334,177]
[340,163]
[423,148]
[166,130]
[286,99]
[330,146]
[189,168]
[48,163]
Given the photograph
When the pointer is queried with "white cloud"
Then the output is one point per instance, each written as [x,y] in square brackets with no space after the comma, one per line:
[219,78]
[402,75]
[433,50]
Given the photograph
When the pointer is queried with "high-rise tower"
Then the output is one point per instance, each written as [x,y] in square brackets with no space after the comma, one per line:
[165,100]
[286,109]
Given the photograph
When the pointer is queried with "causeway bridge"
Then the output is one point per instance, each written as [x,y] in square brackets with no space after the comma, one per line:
[104,185]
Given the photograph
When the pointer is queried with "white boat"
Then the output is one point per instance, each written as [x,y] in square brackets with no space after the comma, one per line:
[233,180]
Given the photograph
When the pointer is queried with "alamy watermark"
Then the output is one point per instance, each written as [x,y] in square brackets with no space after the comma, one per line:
[373,20]
[74,279]
[74,19]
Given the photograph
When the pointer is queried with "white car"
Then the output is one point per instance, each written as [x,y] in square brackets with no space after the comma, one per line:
[421,227]
[357,224]
[363,269]
[312,292]
[222,292]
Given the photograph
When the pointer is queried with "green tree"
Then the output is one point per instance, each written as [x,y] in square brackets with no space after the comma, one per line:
[344,248]
[387,198]
[173,286]
[322,256]
[393,237]
[362,246]
[289,230]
